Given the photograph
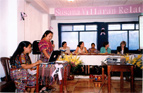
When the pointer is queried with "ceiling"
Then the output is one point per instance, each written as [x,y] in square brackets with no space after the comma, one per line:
[88,3]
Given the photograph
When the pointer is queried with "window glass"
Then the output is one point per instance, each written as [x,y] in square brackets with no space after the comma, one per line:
[66,28]
[127,26]
[91,27]
[78,27]
[137,26]
[84,36]
[71,38]
[133,40]
[114,27]
[115,38]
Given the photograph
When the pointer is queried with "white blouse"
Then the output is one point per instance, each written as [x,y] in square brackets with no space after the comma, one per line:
[81,51]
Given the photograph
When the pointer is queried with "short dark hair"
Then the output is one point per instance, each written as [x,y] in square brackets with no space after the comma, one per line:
[123,42]
[92,44]
[63,43]
[105,43]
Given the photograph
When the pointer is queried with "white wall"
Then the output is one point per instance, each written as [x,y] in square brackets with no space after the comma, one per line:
[20,23]
[8,31]
[35,23]
[84,19]
[14,30]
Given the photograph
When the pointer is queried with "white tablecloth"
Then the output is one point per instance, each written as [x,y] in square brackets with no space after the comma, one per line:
[95,59]
[92,59]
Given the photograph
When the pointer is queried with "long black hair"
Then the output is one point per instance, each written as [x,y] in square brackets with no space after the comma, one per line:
[46,33]
[80,43]
[19,50]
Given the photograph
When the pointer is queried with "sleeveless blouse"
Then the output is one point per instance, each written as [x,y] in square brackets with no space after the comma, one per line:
[81,51]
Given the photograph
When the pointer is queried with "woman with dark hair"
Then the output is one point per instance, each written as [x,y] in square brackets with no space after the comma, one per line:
[65,48]
[80,48]
[45,46]
[122,49]
[93,49]
[21,60]
[105,49]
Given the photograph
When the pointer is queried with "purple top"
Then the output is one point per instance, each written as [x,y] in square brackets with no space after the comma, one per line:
[44,45]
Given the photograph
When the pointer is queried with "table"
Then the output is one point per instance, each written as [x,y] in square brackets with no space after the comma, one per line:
[95,59]
[44,73]
[92,59]
[118,67]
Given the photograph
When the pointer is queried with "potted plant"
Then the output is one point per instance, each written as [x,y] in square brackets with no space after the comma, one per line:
[74,62]
[136,61]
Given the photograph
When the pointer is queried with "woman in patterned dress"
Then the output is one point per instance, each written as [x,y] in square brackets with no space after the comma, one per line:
[45,46]
[21,60]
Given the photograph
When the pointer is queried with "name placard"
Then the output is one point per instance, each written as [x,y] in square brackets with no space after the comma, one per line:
[138,8]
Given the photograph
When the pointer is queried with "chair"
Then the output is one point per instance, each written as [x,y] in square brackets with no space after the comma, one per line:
[9,85]
[6,65]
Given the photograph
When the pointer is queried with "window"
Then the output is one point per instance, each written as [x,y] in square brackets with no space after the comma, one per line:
[114,26]
[133,40]
[73,34]
[78,27]
[89,33]
[137,26]
[127,32]
[84,36]
[71,38]
[67,28]
[128,26]
[91,27]
[115,38]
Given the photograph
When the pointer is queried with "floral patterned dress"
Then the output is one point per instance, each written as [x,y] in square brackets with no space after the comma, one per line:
[30,79]
[44,45]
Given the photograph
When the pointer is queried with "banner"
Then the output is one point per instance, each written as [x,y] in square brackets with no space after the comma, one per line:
[138,8]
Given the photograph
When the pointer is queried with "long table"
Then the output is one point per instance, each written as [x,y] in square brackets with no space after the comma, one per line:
[92,59]
[95,59]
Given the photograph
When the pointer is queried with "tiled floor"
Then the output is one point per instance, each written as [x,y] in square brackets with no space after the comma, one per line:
[88,86]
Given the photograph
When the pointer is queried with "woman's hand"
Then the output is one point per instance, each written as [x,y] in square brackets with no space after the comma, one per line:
[27,66]
[38,62]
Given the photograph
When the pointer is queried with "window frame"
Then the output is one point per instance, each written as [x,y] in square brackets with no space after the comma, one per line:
[135,29]
[73,24]
[99,24]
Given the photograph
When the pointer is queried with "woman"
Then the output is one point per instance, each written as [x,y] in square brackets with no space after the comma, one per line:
[122,49]
[105,49]
[45,46]
[21,60]
[65,48]
[93,49]
[80,48]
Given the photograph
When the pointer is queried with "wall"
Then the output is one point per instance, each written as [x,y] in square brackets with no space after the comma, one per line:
[14,30]
[8,31]
[35,23]
[84,19]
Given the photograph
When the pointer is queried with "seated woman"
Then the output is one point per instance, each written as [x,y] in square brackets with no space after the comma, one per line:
[21,60]
[122,49]
[65,48]
[80,48]
[105,49]
[93,49]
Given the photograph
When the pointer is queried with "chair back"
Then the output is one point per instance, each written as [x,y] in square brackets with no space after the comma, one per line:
[5,61]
